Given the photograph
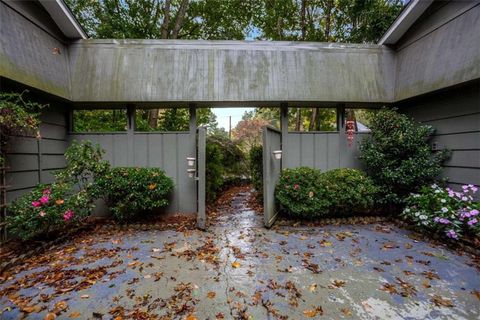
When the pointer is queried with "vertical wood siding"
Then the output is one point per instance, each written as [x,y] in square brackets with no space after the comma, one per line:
[165,150]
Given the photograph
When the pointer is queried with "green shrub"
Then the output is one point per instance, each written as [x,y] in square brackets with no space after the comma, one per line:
[66,202]
[444,211]
[349,191]
[47,209]
[256,169]
[300,194]
[398,157]
[308,193]
[129,192]
[225,160]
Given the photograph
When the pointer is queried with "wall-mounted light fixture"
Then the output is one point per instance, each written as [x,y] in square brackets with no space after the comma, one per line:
[191,161]
[191,173]
[277,154]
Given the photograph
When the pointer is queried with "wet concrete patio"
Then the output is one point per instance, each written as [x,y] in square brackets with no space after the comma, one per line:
[240,270]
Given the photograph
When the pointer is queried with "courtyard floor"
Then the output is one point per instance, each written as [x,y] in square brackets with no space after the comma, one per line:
[240,270]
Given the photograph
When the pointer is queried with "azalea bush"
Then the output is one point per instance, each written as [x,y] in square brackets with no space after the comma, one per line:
[47,209]
[130,192]
[398,157]
[309,193]
[444,211]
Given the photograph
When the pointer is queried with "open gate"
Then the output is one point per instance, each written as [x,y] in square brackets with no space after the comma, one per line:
[272,166]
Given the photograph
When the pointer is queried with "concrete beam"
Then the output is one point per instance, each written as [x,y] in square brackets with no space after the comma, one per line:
[220,72]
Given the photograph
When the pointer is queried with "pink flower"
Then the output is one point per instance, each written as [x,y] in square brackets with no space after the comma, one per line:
[68,215]
[452,234]
[296,187]
[474,212]
[46,191]
[36,204]
[472,222]
[42,214]
[44,199]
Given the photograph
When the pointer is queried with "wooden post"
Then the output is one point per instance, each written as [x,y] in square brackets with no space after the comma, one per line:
[201,167]
[284,131]
[130,135]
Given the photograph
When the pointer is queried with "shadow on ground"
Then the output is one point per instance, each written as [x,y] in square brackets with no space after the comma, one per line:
[239,270]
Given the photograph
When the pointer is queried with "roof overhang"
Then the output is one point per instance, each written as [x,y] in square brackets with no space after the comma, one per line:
[404,21]
[64,18]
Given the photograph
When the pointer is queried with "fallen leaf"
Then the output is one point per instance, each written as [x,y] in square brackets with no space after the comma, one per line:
[313,312]
[211,294]
[476,293]
[442,302]
[337,284]
[75,314]
[236,264]
[346,312]
[313,287]
[50,316]
[84,296]
[191,317]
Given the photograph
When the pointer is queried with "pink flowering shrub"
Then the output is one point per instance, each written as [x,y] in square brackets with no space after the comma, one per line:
[453,214]
[47,209]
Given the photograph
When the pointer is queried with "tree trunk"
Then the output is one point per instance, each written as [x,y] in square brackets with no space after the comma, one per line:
[153,118]
[166,20]
[303,22]
[313,119]
[328,19]
[179,19]
[298,120]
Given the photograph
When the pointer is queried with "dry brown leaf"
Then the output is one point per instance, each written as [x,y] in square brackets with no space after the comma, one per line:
[442,302]
[313,287]
[84,296]
[310,313]
[211,294]
[75,314]
[236,264]
[50,316]
[346,312]
[191,317]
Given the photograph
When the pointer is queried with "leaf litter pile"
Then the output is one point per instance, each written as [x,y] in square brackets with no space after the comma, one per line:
[286,272]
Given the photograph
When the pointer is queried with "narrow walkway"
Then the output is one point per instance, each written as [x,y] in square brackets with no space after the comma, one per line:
[239,270]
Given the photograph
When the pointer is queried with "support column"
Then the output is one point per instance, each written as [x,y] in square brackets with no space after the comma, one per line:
[130,135]
[284,131]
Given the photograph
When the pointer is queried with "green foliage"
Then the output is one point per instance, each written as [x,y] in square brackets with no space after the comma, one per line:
[129,192]
[398,157]
[349,191]
[84,164]
[446,212]
[99,120]
[308,193]
[225,160]
[47,209]
[256,169]
[175,119]
[17,117]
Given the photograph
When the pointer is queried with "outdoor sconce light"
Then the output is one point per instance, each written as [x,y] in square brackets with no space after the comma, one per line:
[191,173]
[277,154]
[191,162]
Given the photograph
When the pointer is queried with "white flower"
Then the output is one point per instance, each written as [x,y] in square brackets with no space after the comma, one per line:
[417,214]
[437,191]
[434,186]
[423,217]
[443,200]
[425,223]
[464,198]
[444,210]
[407,210]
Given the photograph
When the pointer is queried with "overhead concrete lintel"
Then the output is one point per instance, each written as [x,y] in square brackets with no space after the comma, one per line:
[64,18]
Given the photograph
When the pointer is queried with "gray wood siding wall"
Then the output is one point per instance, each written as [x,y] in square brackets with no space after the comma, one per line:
[167,151]
[455,115]
[31,161]
[26,49]
[440,50]
[321,150]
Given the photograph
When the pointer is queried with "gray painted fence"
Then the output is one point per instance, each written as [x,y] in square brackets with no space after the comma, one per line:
[321,150]
[272,140]
[165,150]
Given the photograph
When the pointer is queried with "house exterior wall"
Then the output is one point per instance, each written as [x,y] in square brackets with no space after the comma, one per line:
[455,114]
[440,50]
[26,49]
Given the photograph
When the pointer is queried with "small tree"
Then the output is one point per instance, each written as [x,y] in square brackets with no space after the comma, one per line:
[398,157]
